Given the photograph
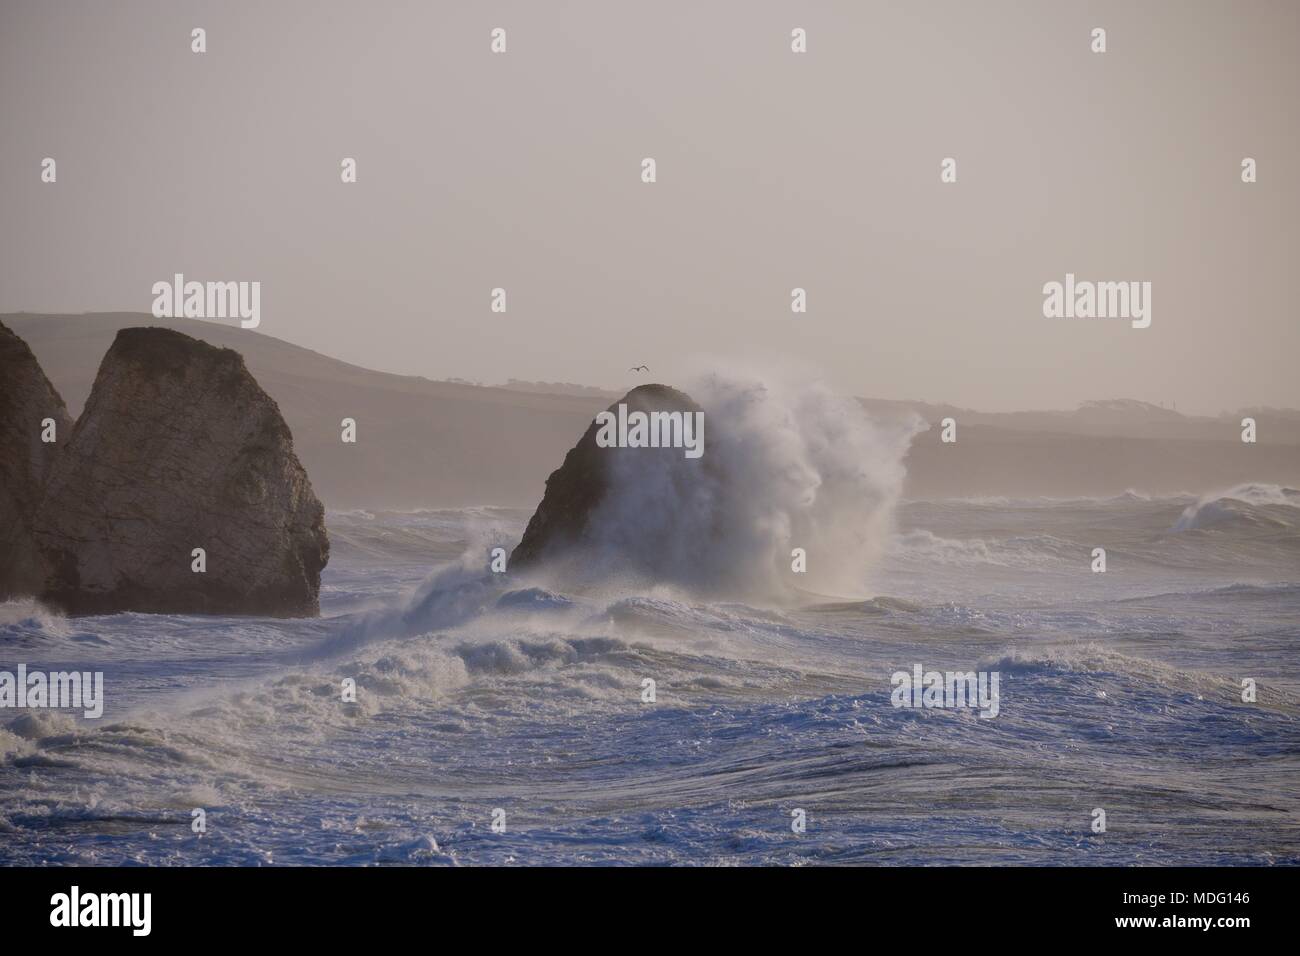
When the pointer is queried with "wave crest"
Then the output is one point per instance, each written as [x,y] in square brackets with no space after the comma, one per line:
[1252,503]
[792,467]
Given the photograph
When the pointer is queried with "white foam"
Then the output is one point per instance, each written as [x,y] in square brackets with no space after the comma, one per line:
[785,466]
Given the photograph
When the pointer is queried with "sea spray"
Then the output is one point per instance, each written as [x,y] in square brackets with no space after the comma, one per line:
[788,466]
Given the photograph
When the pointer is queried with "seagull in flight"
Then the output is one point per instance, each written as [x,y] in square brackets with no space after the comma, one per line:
[639,368]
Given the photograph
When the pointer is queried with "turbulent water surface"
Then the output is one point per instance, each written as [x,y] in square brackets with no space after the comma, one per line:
[480,692]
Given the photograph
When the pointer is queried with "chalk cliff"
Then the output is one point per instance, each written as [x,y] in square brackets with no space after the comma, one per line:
[179,448]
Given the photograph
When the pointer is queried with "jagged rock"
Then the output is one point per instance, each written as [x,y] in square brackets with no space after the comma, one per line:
[577,489]
[27,400]
[179,448]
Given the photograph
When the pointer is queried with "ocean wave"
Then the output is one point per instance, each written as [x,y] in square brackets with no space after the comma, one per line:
[1249,504]
[795,466]
[25,618]
[1128,496]
[534,599]
[1093,660]
[480,690]
[1246,591]
[1020,551]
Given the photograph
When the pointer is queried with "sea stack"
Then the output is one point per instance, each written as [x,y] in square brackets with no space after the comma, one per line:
[179,449]
[34,425]
[575,511]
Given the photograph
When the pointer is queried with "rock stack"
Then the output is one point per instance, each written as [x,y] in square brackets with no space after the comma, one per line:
[177,491]
[34,425]
[577,490]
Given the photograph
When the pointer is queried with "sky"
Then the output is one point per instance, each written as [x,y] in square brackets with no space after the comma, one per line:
[775,170]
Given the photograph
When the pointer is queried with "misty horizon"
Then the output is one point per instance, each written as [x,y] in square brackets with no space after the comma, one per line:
[477,171]
[613,391]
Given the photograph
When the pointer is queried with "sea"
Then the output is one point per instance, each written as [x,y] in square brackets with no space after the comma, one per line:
[438,713]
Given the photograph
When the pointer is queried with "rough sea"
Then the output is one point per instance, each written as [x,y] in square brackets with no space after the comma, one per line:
[484,698]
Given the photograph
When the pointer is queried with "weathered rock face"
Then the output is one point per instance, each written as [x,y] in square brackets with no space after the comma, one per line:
[179,448]
[27,402]
[577,491]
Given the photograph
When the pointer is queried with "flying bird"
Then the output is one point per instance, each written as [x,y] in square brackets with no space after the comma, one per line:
[639,368]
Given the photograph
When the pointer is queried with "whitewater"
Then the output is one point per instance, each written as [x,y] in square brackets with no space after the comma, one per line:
[673,691]
[475,694]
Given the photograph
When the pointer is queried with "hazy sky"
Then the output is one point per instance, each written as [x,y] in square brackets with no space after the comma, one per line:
[775,170]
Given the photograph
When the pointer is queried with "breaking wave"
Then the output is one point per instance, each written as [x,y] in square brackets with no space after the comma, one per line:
[789,466]
[1255,504]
